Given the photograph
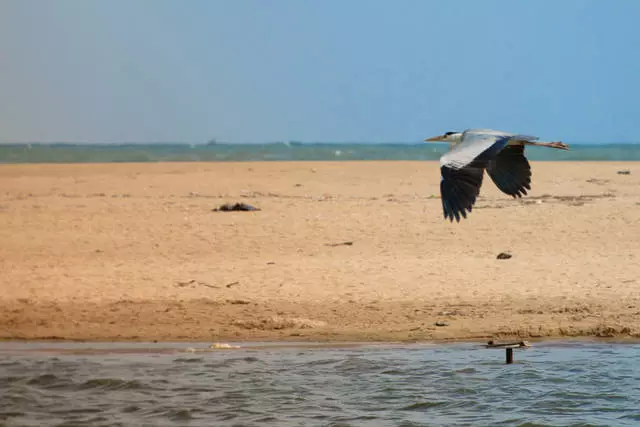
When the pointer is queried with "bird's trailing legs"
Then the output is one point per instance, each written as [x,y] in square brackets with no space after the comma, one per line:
[557,144]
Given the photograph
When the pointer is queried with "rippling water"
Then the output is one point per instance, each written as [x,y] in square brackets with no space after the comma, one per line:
[302,385]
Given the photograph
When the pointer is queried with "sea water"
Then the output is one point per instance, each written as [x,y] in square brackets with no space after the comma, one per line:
[92,153]
[117,384]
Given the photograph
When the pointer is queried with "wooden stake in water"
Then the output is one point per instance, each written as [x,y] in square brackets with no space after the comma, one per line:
[509,355]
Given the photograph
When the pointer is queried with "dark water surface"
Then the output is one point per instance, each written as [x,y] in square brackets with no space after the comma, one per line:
[111,384]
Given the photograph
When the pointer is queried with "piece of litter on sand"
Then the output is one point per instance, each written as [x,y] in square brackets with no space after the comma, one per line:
[340,244]
[504,255]
[182,284]
[229,207]
[624,172]
[194,282]
[442,324]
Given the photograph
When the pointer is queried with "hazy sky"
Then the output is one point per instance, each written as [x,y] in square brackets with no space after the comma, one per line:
[317,70]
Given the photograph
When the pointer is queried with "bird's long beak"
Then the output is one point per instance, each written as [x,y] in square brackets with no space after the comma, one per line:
[433,139]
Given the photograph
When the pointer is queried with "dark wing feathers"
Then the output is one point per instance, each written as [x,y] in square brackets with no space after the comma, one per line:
[459,189]
[510,171]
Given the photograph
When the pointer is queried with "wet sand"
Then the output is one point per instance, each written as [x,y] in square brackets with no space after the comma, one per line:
[135,252]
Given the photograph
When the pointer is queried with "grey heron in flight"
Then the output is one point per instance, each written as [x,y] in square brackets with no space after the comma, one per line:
[473,151]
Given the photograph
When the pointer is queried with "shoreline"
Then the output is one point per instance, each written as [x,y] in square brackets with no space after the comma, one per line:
[256,344]
[134,252]
[165,321]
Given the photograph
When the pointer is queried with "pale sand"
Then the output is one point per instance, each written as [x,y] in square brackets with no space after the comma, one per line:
[134,251]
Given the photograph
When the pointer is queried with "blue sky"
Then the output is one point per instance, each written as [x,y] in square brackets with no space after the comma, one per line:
[330,70]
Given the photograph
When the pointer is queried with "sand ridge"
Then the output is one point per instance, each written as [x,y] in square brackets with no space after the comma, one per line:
[135,251]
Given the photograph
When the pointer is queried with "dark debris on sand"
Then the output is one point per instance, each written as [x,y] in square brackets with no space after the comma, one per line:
[234,207]
[339,244]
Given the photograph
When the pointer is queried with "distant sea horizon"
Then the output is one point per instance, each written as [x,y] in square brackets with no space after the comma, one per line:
[73,152]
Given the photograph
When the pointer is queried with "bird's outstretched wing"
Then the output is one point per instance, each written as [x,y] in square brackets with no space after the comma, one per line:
[462,169]
[459,189]
[510,171]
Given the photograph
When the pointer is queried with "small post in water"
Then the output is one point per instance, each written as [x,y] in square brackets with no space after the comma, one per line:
[509,346]
[509,355]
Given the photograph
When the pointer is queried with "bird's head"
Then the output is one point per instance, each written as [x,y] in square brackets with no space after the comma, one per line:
[450,137]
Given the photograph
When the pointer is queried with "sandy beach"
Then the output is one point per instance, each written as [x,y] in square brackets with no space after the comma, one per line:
[338,252]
